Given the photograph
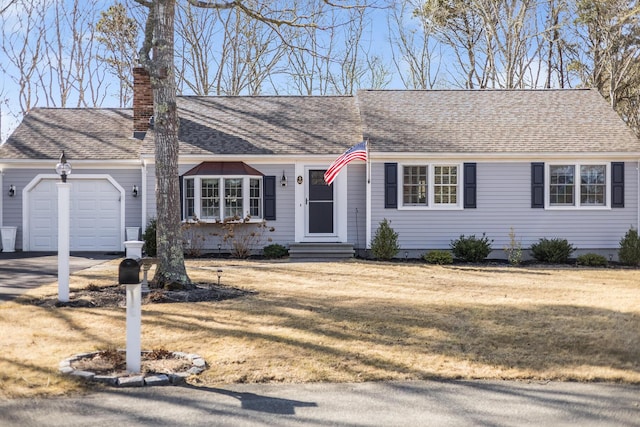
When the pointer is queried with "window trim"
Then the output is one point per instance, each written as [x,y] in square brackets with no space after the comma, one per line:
[431,205]
[577,185]
[246,197]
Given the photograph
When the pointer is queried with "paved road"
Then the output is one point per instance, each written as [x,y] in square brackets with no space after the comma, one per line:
[21,271]
[421,403]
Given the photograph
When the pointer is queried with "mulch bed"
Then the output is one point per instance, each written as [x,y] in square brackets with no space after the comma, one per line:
[115,296]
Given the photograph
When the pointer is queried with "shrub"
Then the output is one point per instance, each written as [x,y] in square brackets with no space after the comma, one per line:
[385,242]
[149,237]
[513,249]
[438,257]
[592,260]
[275,251]
[554,251]
[471,249]
[194,237]
[629,252]
[243,235]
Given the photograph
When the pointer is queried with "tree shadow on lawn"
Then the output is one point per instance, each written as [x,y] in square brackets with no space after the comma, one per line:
[533,340]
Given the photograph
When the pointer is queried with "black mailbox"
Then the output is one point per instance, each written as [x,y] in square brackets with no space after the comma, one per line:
[129,272]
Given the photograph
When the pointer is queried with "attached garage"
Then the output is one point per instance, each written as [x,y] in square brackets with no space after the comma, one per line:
[96,215]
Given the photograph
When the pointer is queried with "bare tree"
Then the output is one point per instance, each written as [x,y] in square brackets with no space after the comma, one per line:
[414,50]
[7,6]
[309,56]
[460,26]
[71,73]
[510,30]
[611,34]
[23,44]
[557,47]
[49,53]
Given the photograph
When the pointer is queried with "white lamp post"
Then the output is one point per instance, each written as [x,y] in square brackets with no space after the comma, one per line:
[63,168]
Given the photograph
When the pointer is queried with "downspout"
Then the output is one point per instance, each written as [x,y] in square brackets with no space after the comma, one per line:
[143,175]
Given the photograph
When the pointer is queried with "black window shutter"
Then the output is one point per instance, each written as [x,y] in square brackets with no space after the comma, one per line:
[470,185]
[390,185]
[269,197]
[617,185]
[182,197]
[537,185]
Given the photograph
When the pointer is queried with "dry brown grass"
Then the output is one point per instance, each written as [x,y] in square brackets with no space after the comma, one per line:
[353,321]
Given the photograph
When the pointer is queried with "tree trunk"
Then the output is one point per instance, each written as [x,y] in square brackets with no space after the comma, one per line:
[171,272]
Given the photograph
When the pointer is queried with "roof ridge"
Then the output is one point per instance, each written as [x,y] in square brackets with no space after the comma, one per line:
[585,89]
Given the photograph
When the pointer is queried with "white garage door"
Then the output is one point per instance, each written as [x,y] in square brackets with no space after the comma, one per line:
[95,216]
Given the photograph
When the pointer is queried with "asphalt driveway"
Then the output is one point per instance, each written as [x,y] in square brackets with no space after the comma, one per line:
[21,271]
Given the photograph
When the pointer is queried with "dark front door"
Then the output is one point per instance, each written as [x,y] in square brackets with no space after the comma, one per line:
[320,203]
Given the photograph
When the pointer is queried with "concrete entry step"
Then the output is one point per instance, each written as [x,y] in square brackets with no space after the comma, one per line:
[321,250]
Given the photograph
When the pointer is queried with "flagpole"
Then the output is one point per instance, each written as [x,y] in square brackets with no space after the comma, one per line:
[368,163]
[367,243]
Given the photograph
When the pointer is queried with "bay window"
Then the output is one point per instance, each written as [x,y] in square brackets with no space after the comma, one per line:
[216,198]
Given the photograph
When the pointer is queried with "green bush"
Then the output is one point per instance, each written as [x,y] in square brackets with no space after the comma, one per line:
[438,257]
[629,252]
[149,237]
[471,249]
[554,251]
[385,242]
[275,251]
[592,260]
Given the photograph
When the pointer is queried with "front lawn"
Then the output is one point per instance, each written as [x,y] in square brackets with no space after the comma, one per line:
[351,321]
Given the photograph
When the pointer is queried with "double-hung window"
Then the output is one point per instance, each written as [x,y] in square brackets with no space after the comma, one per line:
[430,186]
[216,198]
[578,185]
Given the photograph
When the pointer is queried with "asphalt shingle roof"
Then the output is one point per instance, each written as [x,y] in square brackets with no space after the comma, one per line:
[395,121]
[268,125]
[83,133]
[493,121]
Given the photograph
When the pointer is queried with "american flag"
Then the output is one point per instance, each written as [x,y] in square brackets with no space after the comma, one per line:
[358,151]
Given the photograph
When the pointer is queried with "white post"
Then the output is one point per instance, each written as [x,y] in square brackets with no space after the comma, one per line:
[133,328]
[64,202]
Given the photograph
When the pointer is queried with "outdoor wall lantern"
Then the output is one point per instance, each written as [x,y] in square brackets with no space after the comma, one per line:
[12,190]
[283,180]
[134,192]
[63,168]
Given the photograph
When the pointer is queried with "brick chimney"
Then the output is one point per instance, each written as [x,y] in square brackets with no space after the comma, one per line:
[142,102]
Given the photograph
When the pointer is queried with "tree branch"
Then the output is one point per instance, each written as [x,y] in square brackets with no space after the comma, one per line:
[4,9]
